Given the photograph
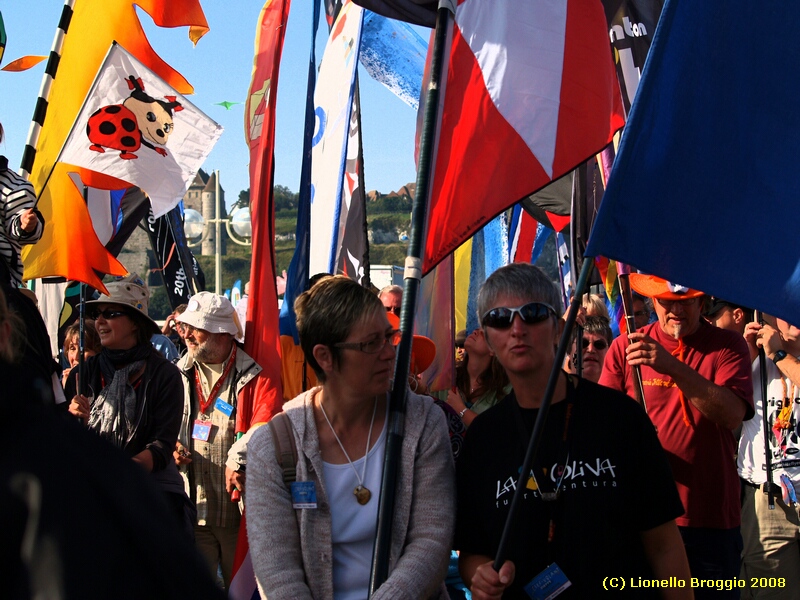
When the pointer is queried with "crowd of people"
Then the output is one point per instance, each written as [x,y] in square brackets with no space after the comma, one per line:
[666,466]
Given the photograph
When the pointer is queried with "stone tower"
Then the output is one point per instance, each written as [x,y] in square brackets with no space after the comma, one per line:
[208,210]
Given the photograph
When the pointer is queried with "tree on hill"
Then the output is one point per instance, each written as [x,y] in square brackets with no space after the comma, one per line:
[285,199]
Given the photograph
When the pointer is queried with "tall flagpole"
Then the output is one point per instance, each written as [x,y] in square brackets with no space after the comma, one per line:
[412,276]
[39,113]
[630,324]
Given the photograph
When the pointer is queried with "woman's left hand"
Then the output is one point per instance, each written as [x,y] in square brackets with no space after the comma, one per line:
[80,407]
[455,401]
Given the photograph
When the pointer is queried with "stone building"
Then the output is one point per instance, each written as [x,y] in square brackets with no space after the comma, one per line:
[201,196]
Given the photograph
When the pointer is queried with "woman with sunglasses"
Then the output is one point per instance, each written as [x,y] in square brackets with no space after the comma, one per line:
[599,498]
[132,396]
[595,338]
[313,538]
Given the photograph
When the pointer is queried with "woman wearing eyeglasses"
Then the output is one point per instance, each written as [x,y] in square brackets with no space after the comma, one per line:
[594,341]
[599,498]
[133,397]
[313,538]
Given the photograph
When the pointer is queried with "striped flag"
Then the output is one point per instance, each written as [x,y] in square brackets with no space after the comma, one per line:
[530,94]
[333,100]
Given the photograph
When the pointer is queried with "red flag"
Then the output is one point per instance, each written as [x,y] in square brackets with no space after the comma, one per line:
[531,93]
[264,398]
[262,340]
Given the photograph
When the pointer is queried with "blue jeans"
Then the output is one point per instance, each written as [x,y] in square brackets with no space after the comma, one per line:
[714,554]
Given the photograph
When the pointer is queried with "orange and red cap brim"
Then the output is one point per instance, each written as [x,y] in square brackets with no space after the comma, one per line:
[423,350]
[656,287]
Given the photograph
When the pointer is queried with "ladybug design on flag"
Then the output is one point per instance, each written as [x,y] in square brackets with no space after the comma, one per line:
[140,120]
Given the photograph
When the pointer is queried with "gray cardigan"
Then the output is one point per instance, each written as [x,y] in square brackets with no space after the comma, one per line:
[292,550]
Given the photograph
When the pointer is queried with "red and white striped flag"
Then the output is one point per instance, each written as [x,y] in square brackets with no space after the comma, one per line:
[530,93]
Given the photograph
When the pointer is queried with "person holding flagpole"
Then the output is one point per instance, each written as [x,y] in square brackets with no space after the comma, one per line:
[698,389]
[21,224]
[771,535]
[312,529]
[600,503]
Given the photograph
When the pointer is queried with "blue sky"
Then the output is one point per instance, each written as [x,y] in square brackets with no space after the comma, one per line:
[219,68]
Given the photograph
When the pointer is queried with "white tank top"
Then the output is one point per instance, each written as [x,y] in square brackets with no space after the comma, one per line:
[353,525]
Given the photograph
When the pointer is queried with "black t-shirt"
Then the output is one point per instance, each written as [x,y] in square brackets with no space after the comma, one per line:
[616,483]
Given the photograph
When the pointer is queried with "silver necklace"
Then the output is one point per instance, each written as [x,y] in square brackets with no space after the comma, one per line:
[361,493]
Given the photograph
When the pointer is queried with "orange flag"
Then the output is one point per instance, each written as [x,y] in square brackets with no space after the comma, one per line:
[23,63]
[69,246]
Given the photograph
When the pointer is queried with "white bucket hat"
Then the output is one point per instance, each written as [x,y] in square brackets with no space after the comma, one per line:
[211,313]
[129,291]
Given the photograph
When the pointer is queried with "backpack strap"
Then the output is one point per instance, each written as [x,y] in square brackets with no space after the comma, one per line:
[285,448]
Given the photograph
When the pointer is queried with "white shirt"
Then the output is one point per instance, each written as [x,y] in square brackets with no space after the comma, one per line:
[751,463]
[353,525]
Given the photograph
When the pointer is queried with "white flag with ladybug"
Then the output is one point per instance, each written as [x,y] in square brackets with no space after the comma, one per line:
[135,127]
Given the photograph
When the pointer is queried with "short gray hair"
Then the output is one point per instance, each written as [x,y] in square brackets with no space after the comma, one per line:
[523,280]
[390,289]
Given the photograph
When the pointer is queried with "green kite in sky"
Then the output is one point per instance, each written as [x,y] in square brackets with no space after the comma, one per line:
[226,104]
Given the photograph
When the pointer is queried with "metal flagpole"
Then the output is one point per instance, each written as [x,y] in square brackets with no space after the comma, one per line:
[413,275]
[533,445]
[769,487]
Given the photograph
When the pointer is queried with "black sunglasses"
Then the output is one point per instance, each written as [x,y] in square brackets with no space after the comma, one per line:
[598,344]
[107,314]
[393,309]
[502,317]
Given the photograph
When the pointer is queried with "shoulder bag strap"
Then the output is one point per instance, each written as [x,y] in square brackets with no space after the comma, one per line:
[285,448]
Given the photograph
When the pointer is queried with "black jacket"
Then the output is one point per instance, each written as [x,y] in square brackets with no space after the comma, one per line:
[159,406]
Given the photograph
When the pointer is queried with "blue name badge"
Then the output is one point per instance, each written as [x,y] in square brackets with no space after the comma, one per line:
[304,494]
[201,430]
[223,407]
[548,584]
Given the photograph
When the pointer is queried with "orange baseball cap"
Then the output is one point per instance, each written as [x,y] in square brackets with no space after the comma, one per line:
[423,350]
[656,287]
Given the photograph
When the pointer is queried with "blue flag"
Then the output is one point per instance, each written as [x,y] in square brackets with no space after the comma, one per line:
[705,186]
[297,276]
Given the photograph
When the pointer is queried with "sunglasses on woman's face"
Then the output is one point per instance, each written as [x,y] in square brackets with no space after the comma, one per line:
[502,317]
[107,314]
[598,344]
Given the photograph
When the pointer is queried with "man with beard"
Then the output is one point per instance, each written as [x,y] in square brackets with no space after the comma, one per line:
[216,371]
[698,389]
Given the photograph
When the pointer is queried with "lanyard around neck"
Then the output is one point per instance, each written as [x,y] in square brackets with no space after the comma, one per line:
[206,401]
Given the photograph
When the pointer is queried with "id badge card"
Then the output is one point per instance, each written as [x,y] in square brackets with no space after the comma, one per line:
[223,407]
[201,430]
[304,494]
[548,584]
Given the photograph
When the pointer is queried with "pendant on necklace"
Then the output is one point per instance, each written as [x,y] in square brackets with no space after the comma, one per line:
[362,494]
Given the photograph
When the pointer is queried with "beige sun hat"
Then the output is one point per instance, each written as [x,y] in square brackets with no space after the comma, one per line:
[129,291]
[211,313]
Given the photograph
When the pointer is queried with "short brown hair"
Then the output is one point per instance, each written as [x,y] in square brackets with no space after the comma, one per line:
[327,313]
[91,339]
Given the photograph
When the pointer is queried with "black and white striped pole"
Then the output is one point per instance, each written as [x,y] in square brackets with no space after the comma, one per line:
[39,113]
